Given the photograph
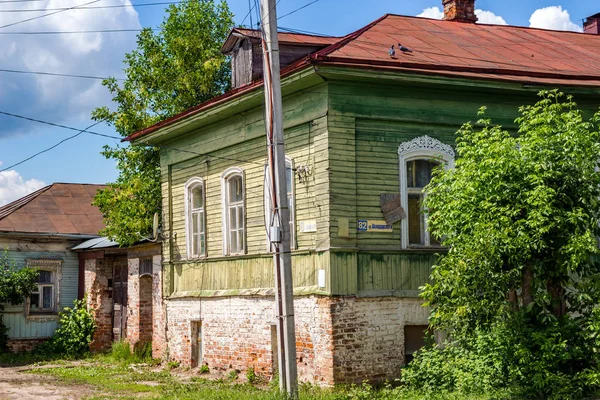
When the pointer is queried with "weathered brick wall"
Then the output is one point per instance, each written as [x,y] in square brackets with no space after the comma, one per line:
[18,345]
[146,318]
[97,272]
[237,334]
[159,323]
[338,339]
[133,301]
[368,336]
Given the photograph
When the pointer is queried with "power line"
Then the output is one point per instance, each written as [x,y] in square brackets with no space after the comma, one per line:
[47,15]
[59,125]
[86,130]
[51,147]
[89,8]
[76,32]
[298,9]
[15,71]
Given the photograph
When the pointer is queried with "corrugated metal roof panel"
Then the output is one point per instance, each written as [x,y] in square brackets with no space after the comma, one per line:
[64,208]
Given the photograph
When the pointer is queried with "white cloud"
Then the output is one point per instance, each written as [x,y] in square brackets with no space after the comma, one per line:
[13,186]
[484,17]
[553,17]
[432,12]
[488,17]
[54,98]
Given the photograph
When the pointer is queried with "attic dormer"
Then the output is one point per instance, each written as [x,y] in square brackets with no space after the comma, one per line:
[244,47]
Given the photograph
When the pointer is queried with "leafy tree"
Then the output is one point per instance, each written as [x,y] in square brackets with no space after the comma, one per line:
[170,71]
[519,290]
[15,285]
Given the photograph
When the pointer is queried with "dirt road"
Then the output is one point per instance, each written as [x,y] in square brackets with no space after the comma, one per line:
[16,384]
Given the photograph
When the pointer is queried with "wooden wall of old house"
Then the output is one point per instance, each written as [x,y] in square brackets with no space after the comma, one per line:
[23,326]
[240,141]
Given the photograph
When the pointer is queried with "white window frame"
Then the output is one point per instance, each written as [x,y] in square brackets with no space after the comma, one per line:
[189,211]
[225,177]
[53,266]
[289,163]
[420,148]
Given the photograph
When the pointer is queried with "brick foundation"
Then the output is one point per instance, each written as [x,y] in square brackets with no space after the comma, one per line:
[19,345]
[338,339]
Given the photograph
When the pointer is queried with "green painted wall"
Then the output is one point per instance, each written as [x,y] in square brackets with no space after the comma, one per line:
[346,125]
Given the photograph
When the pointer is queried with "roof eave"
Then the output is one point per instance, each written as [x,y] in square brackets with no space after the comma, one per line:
[246,97]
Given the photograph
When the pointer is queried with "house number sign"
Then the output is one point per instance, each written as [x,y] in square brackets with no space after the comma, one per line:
[365,225]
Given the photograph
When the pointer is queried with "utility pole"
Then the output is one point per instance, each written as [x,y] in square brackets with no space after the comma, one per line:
[279,222]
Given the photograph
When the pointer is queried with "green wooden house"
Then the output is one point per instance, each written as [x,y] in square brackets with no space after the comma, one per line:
[362,130]
[38,231]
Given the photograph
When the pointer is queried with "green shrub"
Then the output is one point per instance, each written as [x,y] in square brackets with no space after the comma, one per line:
[204,369]
[74,334]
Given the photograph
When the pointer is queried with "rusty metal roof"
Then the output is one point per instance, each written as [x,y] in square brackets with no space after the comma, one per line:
[451,49]
[60,208]
[471,48]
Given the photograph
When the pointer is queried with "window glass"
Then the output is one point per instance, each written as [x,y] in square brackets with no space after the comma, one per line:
[45,277]
[414,219]
[418,172]
[235,189]
[47,297]
[197,201]
[34,301]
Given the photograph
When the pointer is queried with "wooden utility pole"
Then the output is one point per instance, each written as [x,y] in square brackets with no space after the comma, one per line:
[279,221]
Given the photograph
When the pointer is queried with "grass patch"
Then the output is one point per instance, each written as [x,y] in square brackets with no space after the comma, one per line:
[122,381]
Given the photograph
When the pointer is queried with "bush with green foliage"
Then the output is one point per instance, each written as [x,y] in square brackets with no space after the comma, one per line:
[519,290]
[74,334]
[15,285]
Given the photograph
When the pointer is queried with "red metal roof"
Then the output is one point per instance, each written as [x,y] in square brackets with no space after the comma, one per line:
[489,49]
[60,208]
[453,49]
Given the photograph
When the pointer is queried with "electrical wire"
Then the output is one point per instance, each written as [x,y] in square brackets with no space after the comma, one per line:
[15,71]
[298,9]
[89,8]
[76,32]
[51,147]
[48,14]
[58,125]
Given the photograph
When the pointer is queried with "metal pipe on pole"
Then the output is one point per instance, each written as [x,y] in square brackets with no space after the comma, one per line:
[279,220]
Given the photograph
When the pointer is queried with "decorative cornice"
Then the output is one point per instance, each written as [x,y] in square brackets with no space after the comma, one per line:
[44,264]
[425,143]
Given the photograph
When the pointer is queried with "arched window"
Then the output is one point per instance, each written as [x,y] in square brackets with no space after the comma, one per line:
[289,177]
[234,214]
[417,158]
[195,218]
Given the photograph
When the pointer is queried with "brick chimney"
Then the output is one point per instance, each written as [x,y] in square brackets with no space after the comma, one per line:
[592,25]
[459,10]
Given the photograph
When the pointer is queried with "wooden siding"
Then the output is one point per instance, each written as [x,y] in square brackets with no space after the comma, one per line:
[22,250]
[241,142]
[233,275]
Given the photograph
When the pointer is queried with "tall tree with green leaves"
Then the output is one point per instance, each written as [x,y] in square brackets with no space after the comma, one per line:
[519,290]
[177,68]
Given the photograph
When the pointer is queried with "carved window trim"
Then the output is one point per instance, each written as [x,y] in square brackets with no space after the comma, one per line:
[54,266]
[425,148]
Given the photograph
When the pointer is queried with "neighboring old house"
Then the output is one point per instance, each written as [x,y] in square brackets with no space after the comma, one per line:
[358,124]
[39,231]
[124,291]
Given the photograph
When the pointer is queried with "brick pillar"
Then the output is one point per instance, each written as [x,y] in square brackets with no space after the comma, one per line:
[97,272]
[159,318]
[140,307]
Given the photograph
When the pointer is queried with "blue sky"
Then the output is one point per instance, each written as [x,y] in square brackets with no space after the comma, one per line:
[69,101]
